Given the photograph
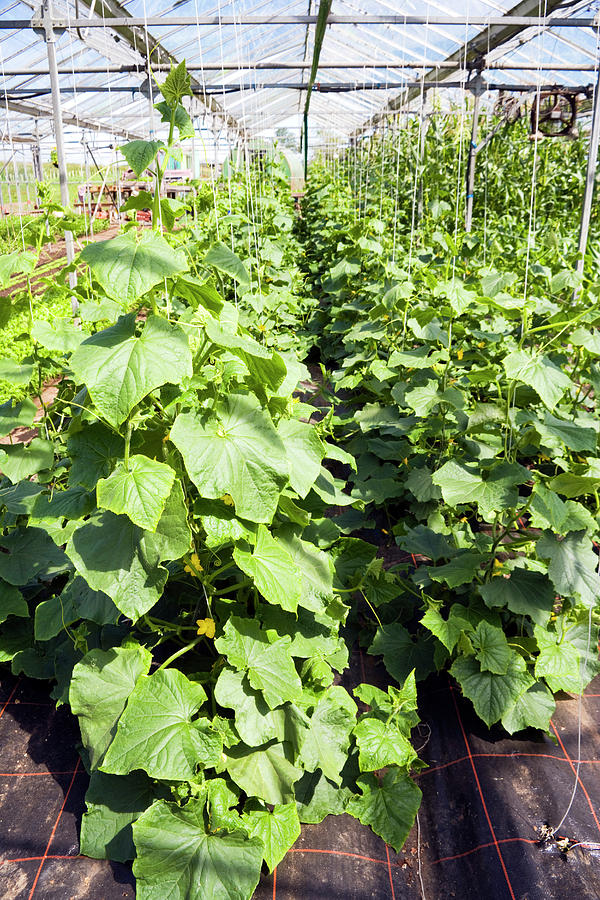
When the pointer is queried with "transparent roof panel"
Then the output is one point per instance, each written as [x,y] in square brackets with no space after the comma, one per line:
[254,76]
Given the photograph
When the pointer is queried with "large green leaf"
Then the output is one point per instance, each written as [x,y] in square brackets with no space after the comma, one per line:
[574,435]
[277,830]
[140,491]
[29,554]
[492,695]
[94,451]
[462,569]
[447,630]
[312,634]
[305,451]
[62,335]
[316,568]
[156,732]
[327,741]
[19,461]
[493,489]
[317,797]
[114,803]
[537,372]
[140,154]
[77,601]
[426,541]
[558,661]
[572,566]
[533,709]
[100,686]
[16,262]
[401,654]
[269,666]
[120,559]
[12,602]
[176,85]
[273,570]
[72,503]
[493,652]
[548,511]
[388,806]
[254,721]
[14,372]
[117,557]
[177,859]
[224,336]
[266,772]
[524,593]
[129,265]
[225,260]
[119,368]
[382,744]
[183,122]
[16,414]
[235,451]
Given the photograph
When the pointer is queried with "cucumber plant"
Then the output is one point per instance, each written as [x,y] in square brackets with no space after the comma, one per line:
[468,397]
[165,561]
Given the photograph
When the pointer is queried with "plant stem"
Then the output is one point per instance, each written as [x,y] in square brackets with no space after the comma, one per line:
[127,443]
[180,652]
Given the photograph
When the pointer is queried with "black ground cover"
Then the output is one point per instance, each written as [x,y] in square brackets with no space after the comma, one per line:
[486,798]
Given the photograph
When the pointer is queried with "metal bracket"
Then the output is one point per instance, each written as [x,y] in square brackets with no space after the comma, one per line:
[39,24]
[477,86]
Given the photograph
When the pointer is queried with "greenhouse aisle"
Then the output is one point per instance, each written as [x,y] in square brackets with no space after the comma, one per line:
[486,799]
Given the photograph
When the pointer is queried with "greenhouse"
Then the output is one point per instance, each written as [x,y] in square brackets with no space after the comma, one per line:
[300,460]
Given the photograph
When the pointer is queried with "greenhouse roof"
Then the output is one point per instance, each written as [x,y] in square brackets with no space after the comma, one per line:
[251,59]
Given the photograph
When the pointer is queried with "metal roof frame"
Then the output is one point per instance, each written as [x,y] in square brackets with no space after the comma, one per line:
[382,46]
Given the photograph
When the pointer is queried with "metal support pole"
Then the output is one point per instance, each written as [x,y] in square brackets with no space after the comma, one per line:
[58,132]
[471,160]
[305,144]
[590,178]
[425,110]
[37,155]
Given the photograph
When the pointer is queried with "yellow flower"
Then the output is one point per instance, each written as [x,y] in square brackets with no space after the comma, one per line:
[497,567]
[386,318]
[227,500]
[207,627]
[384,531]
[481,344]
[166,437]
[261,328]
[460,353]
[193,565]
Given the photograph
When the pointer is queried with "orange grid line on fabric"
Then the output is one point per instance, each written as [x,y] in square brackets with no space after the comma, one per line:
[34,774]
[583,788]
[482,798]
[10,696]
[389,865]
[454,762]
[484,847]
[53,832]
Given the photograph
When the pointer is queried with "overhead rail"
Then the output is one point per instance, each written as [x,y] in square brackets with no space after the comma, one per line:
[322,87]
[36,111]
[364,19]
[550,65]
